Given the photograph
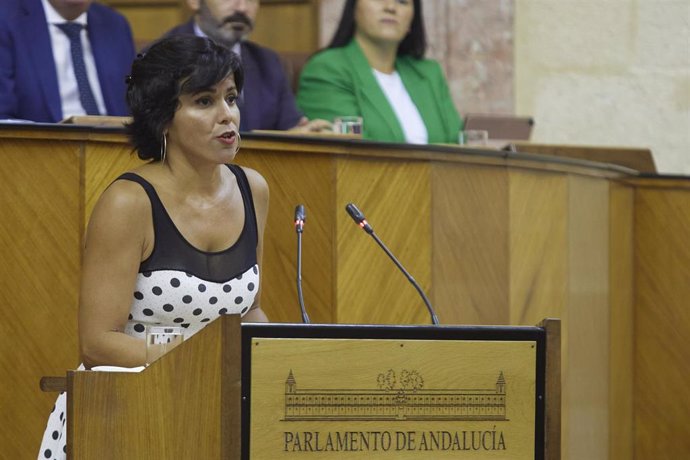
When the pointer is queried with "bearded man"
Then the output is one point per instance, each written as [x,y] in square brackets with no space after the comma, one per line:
[267,101]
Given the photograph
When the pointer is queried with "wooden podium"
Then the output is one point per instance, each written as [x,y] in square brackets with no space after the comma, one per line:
[265,391]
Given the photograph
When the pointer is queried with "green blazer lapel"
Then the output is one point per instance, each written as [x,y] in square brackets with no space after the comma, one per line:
[376,110]
[423,92]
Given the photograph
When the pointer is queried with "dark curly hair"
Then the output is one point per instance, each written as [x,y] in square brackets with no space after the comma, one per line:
[414,43]
[172,66]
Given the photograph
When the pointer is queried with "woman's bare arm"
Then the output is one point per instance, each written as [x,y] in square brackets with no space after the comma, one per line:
[118,235]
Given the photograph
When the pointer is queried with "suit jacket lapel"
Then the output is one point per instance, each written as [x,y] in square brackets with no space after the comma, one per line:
[98,44]
[40,52]
[423,94]
[250,90]
[370,92]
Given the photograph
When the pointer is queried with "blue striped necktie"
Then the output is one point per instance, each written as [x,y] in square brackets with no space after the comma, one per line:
[73,32]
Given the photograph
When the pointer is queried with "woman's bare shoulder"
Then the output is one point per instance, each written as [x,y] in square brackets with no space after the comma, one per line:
[124,194]
[124,204]
[257,182]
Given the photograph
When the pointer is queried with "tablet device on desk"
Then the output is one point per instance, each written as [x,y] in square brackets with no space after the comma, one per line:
[503,127]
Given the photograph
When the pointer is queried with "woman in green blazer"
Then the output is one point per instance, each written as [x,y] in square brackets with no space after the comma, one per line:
[375,68]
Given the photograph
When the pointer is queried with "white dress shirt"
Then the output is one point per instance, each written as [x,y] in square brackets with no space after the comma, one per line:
[62,55]
[407,113]
[236,48]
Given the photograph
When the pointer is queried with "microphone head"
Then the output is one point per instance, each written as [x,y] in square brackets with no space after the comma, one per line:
[358,217]
[299,213]
[300,217]
[355,213]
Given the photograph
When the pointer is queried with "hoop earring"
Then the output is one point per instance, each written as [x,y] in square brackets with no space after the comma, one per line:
[164,147]
[239,141]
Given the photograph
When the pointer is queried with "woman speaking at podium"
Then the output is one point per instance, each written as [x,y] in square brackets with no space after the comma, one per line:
[177,241]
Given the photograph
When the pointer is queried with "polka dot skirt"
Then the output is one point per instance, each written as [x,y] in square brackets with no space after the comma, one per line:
[54,444]
[168,298]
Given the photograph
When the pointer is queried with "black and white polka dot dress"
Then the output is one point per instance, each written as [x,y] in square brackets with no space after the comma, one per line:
[179,285]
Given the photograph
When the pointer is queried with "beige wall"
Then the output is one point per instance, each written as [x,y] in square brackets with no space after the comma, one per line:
[614,72]
[593,72]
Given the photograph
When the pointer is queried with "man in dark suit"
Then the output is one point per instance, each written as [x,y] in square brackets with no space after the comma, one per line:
[41,79]
[267,101]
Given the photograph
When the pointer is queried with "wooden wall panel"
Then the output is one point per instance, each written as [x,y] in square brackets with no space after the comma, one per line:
[538,229]
[538,247]
[39,243]
[395,197]
[470,244]
[150,19]
[662,323]
[587,362]
[621,301]
[307,180]
[103,163]
[288,26]
[149,24]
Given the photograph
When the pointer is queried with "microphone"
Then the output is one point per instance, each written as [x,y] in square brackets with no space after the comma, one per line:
[360,220]
[300,217]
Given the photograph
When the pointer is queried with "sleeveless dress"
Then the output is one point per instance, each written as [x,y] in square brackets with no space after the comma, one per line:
[179,285]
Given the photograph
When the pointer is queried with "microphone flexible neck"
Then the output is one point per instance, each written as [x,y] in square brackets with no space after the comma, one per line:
[432,312]
[300,218]
[300,295]
[360,220]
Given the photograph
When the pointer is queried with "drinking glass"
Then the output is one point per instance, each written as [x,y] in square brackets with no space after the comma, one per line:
[348,125]
[474,137]
[160,340]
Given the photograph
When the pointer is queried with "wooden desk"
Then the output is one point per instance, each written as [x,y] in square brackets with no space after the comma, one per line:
[635,158]
[493,238]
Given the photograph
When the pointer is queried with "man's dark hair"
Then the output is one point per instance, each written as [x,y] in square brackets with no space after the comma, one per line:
[173,66]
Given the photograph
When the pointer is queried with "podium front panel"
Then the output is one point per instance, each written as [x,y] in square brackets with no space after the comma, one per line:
[392,392]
